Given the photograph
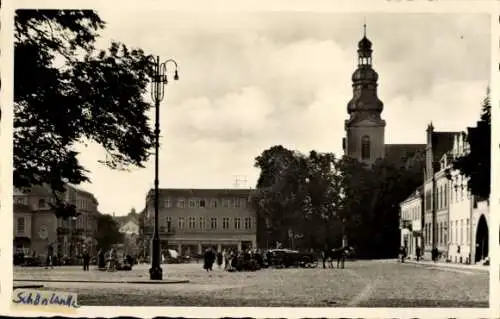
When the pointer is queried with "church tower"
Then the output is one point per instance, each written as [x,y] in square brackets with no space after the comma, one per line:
[365,128]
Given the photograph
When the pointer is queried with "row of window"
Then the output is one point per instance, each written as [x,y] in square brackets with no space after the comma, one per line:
[203,203]
[458,232]
[81,204]
[212,222]
[412,213]
[80,222]
[460,193]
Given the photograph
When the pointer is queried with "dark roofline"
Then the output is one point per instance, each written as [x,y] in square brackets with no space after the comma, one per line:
[213,190]
[413,195]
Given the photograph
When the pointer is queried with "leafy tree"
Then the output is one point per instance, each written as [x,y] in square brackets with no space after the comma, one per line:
[66,91]
[297,196]
[108,232]
[372,197]
[279,194]
[325,200]
[476,165]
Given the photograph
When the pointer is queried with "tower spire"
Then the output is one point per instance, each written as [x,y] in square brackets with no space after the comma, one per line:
[364,27]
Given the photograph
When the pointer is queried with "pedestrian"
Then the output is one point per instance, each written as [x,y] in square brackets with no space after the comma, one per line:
[101,260]
[212,258]
[50,259]
[418,253]
[219,259]
[86,260]
[207,260]
[434,254]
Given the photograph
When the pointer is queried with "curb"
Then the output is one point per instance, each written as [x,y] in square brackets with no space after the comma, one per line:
[151,282]
[441,265]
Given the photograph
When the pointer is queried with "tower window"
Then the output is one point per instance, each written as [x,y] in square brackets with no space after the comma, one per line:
[365,147]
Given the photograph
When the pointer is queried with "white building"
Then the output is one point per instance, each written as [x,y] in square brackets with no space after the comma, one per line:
[461,207]
[454,221]
[411,210]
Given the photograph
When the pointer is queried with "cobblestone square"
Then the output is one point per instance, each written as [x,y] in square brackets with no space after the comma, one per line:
[360,284]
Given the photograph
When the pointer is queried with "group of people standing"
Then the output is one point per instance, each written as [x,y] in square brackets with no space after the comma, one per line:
[228,258]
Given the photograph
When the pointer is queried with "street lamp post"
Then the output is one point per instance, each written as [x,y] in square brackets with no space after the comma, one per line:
[157,94]
[71,220]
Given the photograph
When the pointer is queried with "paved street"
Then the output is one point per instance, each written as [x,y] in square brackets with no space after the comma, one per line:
[361,284]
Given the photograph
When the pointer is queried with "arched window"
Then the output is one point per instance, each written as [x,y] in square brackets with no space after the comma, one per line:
[365,147]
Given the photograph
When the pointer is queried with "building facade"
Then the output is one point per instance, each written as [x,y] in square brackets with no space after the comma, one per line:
[442,205]
[455,222]
[37,229]
[191,220]
[411,218]
[437,191]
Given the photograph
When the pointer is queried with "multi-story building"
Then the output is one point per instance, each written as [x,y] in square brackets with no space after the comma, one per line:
[411,218]
[37,229]
[191,220]
[455,222]
[461,208]
[442,205]
[436,191]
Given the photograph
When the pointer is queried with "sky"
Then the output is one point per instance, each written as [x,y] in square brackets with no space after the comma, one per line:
[252,80]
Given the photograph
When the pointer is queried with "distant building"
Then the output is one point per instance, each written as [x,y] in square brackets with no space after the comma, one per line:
[36,227]
[411,222]
[191,220]
[129,227]
[365,128]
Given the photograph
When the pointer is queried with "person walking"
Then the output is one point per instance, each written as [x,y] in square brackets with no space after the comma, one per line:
[418,253]
[86,260]
[219,259]
[50,258]
[207,263]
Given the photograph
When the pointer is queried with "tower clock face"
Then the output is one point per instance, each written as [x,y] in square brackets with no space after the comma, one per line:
[43,232]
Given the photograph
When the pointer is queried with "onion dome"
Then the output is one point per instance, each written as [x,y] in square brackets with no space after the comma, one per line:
[365,74]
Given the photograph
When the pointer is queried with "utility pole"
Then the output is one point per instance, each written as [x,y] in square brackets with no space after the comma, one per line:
[239,180]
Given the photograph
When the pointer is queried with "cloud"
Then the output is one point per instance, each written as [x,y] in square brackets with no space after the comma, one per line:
[252,80]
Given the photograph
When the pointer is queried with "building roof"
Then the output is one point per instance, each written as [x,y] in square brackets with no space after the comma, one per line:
[413,195]
[442,142]
[122,220]
[202,192]
[402,152]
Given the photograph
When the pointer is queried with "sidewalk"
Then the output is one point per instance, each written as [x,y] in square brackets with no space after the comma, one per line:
[76,275]
[477,267]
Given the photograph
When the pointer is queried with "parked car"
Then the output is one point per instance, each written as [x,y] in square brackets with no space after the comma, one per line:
[284,258]
[244,262]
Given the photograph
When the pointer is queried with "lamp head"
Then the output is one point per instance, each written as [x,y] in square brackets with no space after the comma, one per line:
[176,75]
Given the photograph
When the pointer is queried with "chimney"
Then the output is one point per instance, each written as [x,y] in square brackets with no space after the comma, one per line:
[428,152]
